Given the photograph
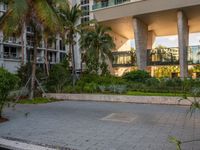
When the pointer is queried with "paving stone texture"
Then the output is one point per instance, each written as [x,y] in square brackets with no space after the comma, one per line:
[82,125]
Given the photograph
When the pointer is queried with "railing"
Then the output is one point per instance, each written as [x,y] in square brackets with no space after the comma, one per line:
[108,3]
[158,56]
[163,56]
[124,59]
[10,55]
[170,56]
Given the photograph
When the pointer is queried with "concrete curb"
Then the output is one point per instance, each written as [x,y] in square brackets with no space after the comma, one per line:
[165,100]
[16,145]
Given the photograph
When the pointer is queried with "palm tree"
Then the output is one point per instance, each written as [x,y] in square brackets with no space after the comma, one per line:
[98,43]
[40,14]
[70,18]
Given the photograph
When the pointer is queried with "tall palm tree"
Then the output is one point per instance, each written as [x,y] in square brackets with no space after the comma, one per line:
[70,18]
[98,43]
[40,14]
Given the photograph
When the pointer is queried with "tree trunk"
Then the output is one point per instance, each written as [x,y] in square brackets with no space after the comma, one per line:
[33,67]
[46,57]
[73,65]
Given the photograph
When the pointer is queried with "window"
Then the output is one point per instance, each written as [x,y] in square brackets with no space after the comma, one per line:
[30,41]
[62,45]
[52,56]
[85,10]
[83,2]
[10,52]
[85,19]
[29,29]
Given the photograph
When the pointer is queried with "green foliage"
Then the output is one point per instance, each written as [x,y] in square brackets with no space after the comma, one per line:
[59,76]
[137,76]
[90,87]
[37,100]
[24,73]
[152,82]
[8,82]
[98,45]
[176,142]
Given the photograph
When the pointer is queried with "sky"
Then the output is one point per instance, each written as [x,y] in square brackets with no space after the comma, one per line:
[172,41]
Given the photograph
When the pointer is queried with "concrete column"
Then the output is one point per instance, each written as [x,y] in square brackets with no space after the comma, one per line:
[183,40]
[141,38]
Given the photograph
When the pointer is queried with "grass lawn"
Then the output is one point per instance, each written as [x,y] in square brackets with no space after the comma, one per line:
[134,93]
[38,100]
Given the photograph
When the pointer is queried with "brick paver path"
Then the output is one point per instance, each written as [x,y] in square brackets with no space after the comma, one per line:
[80,125]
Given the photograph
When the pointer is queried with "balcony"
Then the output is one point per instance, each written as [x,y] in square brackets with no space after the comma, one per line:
[157,57]
[170,56]
[109,3]
[163,56]
[124,59]
[107,10]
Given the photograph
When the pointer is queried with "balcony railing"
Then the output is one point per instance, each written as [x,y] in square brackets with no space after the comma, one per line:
[170,56]
[109,3]
[163,56]
[155,57]
[124,59]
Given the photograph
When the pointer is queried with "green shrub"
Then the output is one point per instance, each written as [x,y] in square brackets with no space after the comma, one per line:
[59,76]
[8,82]
[90,87]
[152,82]
[137,76]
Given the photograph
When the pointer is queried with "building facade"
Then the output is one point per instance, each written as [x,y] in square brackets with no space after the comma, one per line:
[143,21]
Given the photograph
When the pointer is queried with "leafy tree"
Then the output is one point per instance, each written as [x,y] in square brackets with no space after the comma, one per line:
[41,15]
[98,44]
[8,82]
[70,17]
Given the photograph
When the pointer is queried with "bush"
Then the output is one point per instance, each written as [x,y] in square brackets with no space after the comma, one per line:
[8,82]
[59,76]
[137,76]
[152,82]
[90,87]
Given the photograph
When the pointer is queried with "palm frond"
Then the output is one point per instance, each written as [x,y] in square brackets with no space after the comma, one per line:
[12,21]
[47,16]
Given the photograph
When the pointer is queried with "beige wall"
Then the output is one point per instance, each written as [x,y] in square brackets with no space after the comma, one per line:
[122,43]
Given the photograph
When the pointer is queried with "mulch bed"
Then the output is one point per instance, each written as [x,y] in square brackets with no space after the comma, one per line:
[3,120]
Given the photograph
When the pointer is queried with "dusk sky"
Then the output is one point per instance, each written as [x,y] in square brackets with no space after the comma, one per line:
[172,41]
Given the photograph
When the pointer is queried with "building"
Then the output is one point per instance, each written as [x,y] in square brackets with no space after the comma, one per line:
[11,55]
[143,20]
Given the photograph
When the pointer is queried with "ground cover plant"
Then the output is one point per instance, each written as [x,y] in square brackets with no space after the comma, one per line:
[8,82]
[133,83]
[37,100]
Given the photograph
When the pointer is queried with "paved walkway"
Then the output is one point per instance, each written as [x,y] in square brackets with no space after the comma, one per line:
[102,126]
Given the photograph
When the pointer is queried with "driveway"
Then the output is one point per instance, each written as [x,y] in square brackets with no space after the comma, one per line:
[102,126]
